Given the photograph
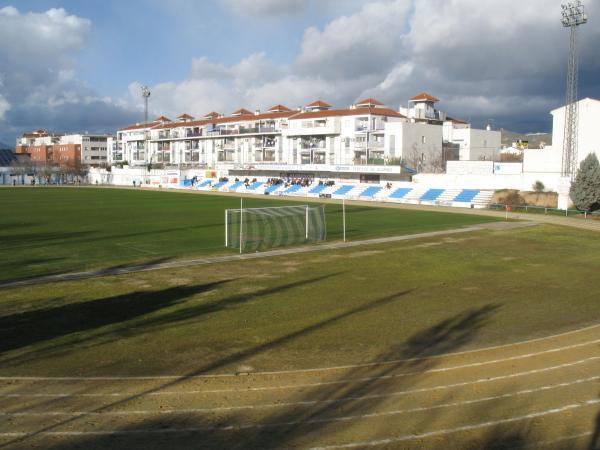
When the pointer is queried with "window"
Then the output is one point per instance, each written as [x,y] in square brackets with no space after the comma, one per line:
[423,140]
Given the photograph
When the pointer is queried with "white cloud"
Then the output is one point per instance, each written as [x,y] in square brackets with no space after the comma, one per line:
[366,42]
[503,60]
[39,86]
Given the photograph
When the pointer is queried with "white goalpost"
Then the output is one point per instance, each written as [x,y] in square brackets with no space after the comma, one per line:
[263,228]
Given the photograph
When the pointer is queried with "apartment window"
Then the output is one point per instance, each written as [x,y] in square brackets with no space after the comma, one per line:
[423,140]
[392,145]
[485,143]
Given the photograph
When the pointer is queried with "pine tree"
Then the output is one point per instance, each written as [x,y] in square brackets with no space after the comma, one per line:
[585,189]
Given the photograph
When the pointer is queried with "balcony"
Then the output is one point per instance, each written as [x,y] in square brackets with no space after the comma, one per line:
[193,133]
[308,128]
[248,130]
[312,145]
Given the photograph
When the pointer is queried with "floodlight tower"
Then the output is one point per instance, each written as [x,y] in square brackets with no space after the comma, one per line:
[145,94]
[573,15]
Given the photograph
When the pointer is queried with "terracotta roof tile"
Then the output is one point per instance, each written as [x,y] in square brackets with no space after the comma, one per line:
[369,102]
[424,96]
[241,112]
[279,108]
[348,112]
[318,104]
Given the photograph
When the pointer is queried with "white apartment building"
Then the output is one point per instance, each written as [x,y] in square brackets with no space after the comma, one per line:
[364,138]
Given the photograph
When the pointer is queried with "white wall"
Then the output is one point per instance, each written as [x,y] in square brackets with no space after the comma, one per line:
[588,128]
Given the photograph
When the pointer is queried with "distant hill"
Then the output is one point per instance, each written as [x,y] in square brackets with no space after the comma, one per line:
[3,145]
[534,139]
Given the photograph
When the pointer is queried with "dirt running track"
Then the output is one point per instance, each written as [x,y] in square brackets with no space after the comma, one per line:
[536,394]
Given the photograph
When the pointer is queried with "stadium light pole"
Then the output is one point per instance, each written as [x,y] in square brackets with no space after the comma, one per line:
[573,15]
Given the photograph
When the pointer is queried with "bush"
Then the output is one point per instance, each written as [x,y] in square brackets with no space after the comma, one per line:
[585,189]
[538,186]
[511,197]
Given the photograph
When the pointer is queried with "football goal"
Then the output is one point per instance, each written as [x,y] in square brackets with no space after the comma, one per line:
[252,229]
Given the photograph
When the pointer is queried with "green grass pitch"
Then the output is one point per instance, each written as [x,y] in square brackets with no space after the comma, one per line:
[55,230]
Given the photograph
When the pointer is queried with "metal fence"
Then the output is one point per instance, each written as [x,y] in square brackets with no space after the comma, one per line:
[530,209]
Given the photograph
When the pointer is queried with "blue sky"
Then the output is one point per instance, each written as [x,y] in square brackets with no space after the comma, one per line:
[77,65]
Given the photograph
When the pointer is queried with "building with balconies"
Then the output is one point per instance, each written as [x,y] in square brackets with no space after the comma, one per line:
[364,137]
[44,147]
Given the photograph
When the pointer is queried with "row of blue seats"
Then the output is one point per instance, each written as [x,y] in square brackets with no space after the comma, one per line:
[466,195]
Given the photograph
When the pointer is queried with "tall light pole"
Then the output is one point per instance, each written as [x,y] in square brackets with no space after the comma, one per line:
[145,95]
[573,15]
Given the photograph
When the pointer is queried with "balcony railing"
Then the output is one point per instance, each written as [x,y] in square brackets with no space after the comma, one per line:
[193,133]
[312,145]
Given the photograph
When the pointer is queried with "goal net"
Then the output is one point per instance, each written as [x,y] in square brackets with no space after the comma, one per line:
[252,229]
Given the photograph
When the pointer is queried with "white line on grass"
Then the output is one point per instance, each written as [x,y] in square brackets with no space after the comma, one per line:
[354,366]
[349,445]
[474,426]
[298,422]
[336,400]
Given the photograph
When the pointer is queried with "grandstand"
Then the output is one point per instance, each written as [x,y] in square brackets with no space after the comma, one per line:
[398,192]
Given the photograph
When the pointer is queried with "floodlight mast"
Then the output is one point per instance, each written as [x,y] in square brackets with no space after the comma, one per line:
[145,94]
[573,15]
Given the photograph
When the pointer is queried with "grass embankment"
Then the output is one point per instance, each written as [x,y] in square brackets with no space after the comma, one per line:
[344,306]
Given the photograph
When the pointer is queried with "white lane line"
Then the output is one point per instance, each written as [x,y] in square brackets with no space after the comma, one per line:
[326,383]
[349,445]
[327,401]
[354,366]
[471,427]
[299,422]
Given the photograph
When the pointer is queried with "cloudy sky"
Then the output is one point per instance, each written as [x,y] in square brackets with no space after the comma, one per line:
[72,65]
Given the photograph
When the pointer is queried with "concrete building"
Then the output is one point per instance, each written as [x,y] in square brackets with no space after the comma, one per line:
[47,148]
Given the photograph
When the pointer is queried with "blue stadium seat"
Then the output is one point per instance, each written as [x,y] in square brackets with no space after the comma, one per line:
[220,184]
[432,194]
[467,195]
[272,188]
[205,183]
[254,185]
[236,185]
[343,190]
[400,193]
[293,188]
[317,189]
[370,191]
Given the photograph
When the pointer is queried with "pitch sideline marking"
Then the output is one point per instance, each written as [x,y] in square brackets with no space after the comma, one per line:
[354,366]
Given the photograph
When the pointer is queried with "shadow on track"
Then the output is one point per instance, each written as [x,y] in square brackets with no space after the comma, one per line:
[357,392]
